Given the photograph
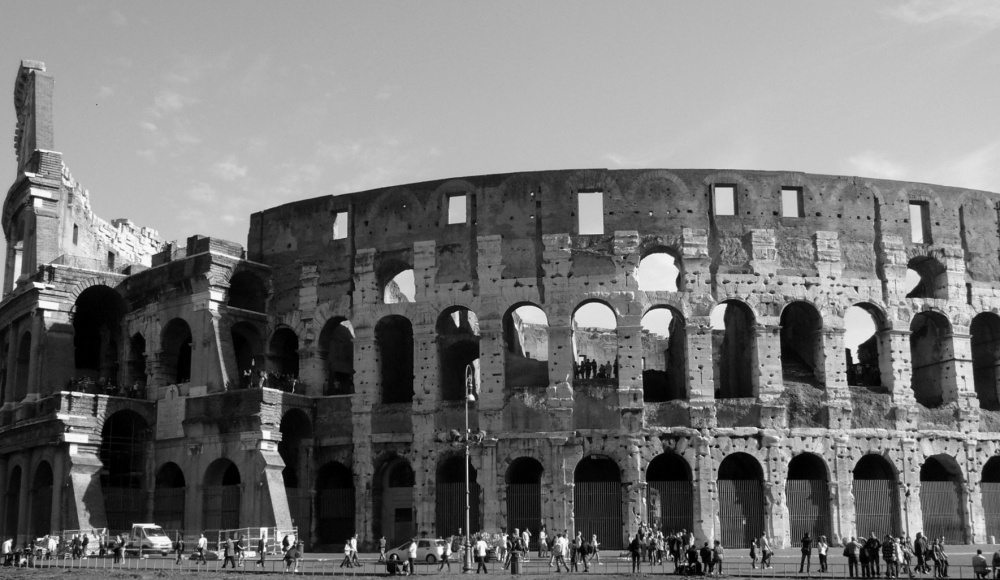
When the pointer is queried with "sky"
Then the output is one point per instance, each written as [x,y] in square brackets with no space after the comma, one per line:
[188,116]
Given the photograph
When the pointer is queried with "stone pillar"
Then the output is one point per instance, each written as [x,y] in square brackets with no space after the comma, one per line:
[769,384]
[491,376]
[775,468]
[630,399]
[909,487]
[426,397]
[570,456]
[706,508]
[844,516]
[489,496]
[837,394]
[701,373]
[37,358]
[365,395]
[560,391]
[975,515]
[959,385]
[634,477]
[894,363]
[366,290]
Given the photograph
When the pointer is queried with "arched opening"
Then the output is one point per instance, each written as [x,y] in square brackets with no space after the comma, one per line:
[458,348]
[221,496]
[41,501]
[13,502]
[862,337]
[450,501]
[247,348]
[400,288]
[5,375]
[876,497]
[336,348]
[123,454]
[97,334]
[664,356]
[597,500]
[392,495]
[284,355]
[595,343]
[247,291]
[169,497]
[523,481]
[930,356]
[931,278]
[734,344]
[176,357]
[941,500]
[801,344]
[670,493]
[741,500]
[394,339]
[808,497]
[659,270]
[526,347]
[991,496]
[985,331]
[22,367]
[137,360]
[295,448]
[334,504]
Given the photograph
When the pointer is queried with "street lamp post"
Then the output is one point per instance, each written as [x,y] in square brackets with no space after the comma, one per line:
[470,390]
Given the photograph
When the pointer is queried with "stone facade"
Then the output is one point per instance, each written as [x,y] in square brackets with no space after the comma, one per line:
[318,378]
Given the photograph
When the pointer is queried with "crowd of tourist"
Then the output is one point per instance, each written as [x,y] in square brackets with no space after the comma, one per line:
[589,369]
[108,387]
[268,379]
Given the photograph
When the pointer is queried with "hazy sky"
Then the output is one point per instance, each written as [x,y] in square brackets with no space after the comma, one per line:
[188,116]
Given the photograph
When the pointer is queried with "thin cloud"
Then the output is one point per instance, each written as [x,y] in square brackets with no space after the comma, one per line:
[105,93]
[872,164]
[202,192]
[229,169]
[976,13]
[975,169]
[169,101]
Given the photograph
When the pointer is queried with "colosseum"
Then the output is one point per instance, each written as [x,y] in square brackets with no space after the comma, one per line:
[724,351]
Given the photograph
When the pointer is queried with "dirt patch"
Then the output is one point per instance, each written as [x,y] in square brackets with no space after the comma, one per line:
[989,420]
[872,408]
[943,418]
[805,404]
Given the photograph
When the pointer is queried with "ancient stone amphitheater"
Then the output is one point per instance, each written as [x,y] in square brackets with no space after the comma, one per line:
[773,352]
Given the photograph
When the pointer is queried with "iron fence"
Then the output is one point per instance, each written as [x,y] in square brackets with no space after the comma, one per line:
[943,511]
[876,506]
[597,509]
[524,507]
[808,508]
[741,511]
[671,505]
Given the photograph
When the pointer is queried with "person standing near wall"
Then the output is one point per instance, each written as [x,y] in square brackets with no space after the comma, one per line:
[807,551]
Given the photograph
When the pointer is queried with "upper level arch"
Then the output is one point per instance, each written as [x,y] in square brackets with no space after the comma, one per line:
[336,349]
[394,344]
[247,291]
[931,358]
[458,352]
[526,346]
[664,355]
[802,354]
[595,341]
[734,342]
[931,278]
[660,269]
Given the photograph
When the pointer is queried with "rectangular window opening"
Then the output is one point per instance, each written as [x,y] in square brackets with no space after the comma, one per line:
[920,222]
[458,212]
[724,199]
[340,225]
[76,234]
[791,202]
[111,260]
[590,212]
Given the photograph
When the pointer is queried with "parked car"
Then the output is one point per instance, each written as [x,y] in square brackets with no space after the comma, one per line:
[428,550]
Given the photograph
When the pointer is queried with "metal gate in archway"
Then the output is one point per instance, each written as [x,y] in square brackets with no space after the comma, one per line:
[450,508]
[597,509]
[300,508]
[671,505]
[991,507]
[941,505]
[808,508]
[524,506]
[741,511]
[222,507]
[876,507]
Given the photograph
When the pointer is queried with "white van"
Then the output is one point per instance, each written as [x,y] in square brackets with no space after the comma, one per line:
[148,538]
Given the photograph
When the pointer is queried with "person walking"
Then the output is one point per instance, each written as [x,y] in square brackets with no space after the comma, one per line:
[753,553]
[821,549]
[202,546]
[481,556]
[575,551]
[765,553]
[941,557]
[381,547]
[178,549]
[347,555]
[559,548]
[807,551]
[706,559]
[261,551]
[446,555]
[542,538]
[718,555]
[411,555]
[851,553]
[596,546]
[228,553]
[920,551]
[905,556]
[635,552]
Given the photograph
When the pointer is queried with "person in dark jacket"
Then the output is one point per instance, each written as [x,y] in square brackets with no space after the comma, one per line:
[229,553]
[807,550]
[178,549]
[874,548]
[920,551]
[635,552]
[261,548]
[692,560]
[706,560]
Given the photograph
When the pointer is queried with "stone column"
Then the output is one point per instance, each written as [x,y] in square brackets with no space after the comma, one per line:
[769,384]
[490,501]
[365,395]
[909,487]
[894,363]
[775,467]
[491,376]
[36,362]
[959,385]
[701,373]
[706,508]
[24,511]
[560,391]
[634,476]
[975,515]
[837,394]
[426,398]
[630,399]
[842,490]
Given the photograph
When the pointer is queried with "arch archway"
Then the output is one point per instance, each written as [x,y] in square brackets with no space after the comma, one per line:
[294,449]
[664,356]
[801,343]
[283,352]
[526,346]
[449,506]
[741,500]
[222,492]
[807,492]
[13,503]
[137,360]
[458,347]
[734,341]
[334,503]
[876,497]
[394,341]
[595,342]
[22,367]
[598,500]
[169,497]
[123,453]
[660,270]
[985,331]
[990,486]
[41,501]
[247,292]
[97,332]
[399,287]
[176,342]
[247,346]
[670,493]
[932,276]
[931,357]
[941,501]
[523,481]
[336,348]
[392,495]
[864,326]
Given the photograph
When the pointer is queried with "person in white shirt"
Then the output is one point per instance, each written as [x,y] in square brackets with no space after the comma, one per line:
[526,537]
[202,546]
[7,556]
[481,556]
[541,543]
[412,555]
[446,554]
